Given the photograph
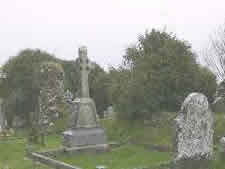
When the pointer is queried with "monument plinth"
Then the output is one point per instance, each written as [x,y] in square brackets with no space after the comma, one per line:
[84,123]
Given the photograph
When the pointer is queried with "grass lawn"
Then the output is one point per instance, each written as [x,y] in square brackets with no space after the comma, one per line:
[12,155]
[12,152]
[125,157]
[159,132]
[132,154]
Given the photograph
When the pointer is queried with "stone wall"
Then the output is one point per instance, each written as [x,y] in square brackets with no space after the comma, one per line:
[51,162]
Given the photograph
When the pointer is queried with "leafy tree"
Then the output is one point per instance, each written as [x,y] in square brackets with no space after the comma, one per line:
[99,88]
[206,82]
[157,74]
[98,83]
[20,89]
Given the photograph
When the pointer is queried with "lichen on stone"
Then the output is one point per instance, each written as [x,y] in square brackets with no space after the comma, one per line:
[51,91]
[194,129]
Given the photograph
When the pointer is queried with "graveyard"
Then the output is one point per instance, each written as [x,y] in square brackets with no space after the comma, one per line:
[57,114]
[138,154]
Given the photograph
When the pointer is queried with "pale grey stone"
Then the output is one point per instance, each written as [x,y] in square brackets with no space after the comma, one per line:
[68,96]
[222,144]
[87,116]
[85,67]
[84,122]
[83,137]
[101,167]
[109,113]
[74,107]
[50,162]
[18,122]
[194,129]
[84,113]
[222,141]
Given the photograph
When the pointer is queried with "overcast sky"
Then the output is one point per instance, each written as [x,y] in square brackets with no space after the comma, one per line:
[106,27]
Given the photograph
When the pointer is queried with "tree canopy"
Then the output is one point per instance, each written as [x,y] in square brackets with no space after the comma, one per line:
[157,74]
[21,88]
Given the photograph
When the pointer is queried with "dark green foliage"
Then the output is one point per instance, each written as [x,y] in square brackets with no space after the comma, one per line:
[72,76]
[158,73]
[98,83]
[206,83]
[21,88]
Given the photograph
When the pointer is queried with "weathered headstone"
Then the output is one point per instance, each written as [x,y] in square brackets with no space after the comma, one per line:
[84,127]
[194,134]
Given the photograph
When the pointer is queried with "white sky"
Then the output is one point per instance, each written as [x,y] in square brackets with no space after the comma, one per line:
[106,27]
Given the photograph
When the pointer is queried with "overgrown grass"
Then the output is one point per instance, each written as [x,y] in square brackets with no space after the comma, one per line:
[126,157]
[12,155]
[156,132]
[133,152]
[13,150]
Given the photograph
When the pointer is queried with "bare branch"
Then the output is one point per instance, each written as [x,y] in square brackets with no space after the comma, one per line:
[214,55]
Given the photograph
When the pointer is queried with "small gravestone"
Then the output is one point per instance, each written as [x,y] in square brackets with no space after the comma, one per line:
[194,134]
[222,144]
[18,122]
[68,96]
[109,113]
[84,122]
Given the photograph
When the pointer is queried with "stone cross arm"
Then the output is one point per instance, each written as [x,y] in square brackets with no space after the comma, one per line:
[85,68]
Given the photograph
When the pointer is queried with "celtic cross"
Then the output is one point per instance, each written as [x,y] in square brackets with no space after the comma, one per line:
[85,67]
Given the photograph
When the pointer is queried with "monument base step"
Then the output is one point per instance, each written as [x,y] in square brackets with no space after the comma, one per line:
[83,137]
[91,148]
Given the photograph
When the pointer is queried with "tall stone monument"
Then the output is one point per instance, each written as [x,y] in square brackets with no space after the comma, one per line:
[194,134]
[3,121]
[50,100]
[84,128]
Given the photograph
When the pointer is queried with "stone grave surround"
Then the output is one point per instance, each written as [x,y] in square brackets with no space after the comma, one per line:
[194,133]
[84,123]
